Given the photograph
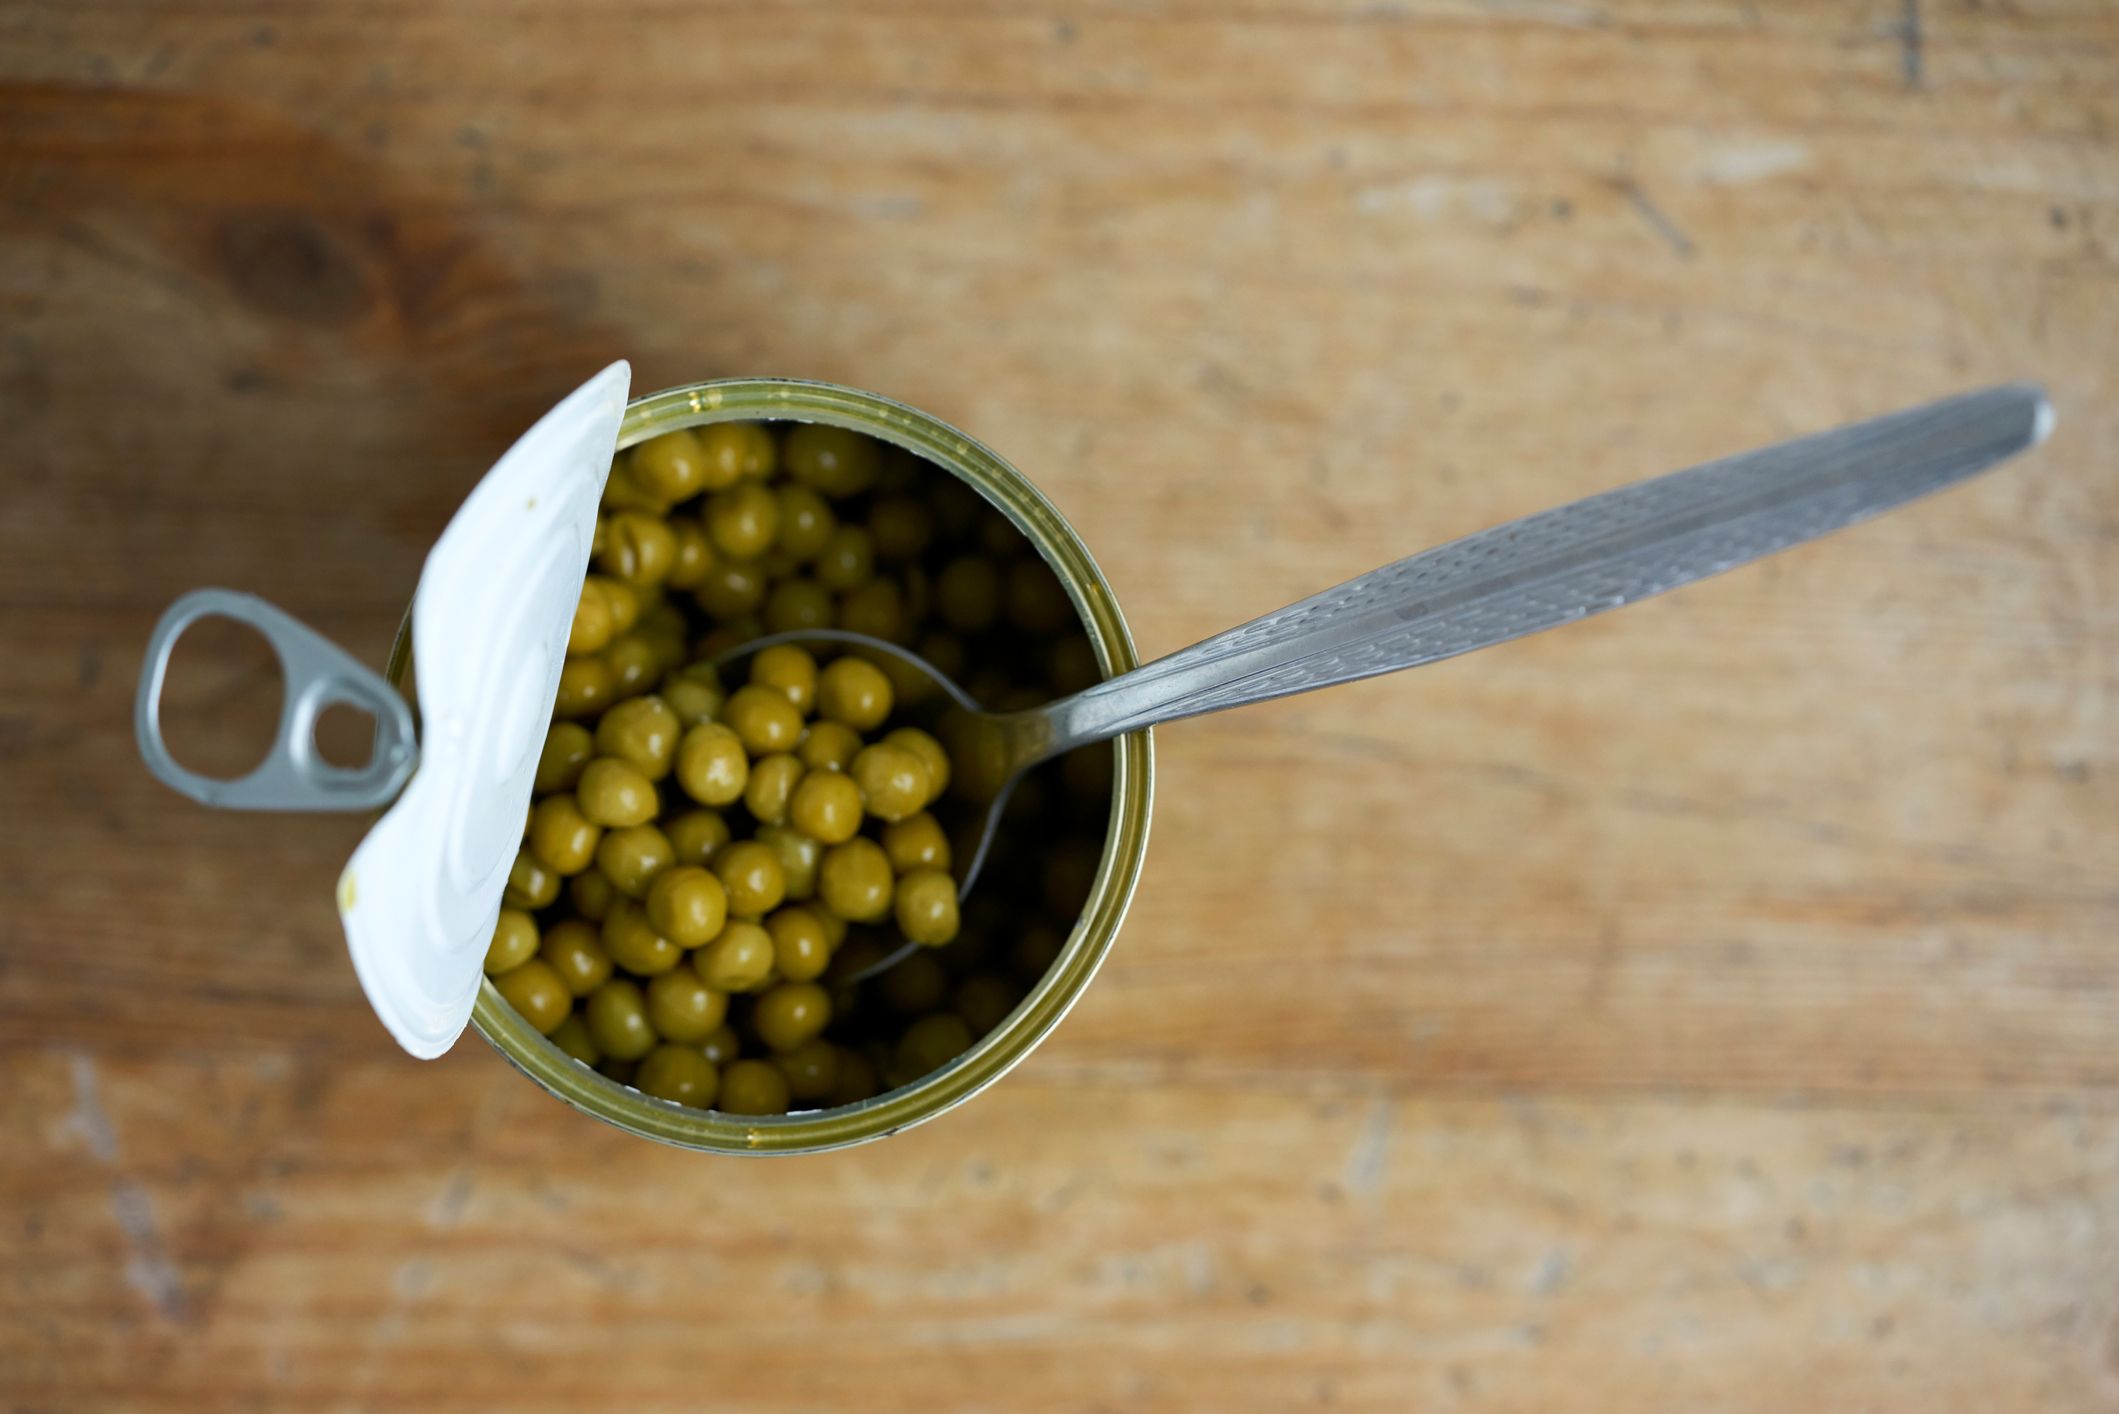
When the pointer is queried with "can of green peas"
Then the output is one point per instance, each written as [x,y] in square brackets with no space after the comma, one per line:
[413,939]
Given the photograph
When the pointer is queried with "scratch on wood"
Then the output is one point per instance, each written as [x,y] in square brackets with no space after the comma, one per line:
[148,1269]
[609,1275]
[412,1278]
[1366,1163]
[147,1266]
[89,1119]
[1662,225]
[450,1203]
[1910,43]
[1063,1196]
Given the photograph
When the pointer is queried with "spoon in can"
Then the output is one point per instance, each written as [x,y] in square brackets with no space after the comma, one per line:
[1515,579]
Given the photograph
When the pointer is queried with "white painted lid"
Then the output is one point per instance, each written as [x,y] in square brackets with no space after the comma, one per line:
[496,601]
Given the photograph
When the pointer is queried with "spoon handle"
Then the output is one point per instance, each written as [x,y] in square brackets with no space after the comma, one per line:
[1568,563]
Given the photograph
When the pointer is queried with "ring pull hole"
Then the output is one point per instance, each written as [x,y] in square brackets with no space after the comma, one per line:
[222,698]
[345,736]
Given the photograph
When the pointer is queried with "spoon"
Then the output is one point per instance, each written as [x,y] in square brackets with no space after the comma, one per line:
[1530,574]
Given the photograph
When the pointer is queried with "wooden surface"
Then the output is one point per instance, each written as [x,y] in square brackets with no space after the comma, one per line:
[1714,1006]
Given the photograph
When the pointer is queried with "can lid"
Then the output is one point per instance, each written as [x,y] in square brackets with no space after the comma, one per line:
[489,630]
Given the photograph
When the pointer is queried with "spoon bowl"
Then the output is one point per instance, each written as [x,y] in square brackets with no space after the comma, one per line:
[988,751]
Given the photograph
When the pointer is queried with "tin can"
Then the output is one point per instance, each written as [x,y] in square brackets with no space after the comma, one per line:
[487,632]
[1125,839]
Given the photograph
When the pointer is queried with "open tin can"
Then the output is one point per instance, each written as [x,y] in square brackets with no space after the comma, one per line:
[485,640]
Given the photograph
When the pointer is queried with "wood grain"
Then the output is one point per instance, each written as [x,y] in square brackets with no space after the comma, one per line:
[1715,1005]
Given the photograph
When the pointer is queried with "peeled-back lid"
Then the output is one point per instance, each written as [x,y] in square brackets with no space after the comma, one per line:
[489,632]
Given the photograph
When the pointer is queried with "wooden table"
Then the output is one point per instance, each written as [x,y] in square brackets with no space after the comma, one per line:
[1714,1006]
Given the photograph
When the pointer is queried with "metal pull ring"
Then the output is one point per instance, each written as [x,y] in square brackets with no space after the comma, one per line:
[318,674]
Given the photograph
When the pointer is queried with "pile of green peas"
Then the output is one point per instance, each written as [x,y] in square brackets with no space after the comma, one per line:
[707,865]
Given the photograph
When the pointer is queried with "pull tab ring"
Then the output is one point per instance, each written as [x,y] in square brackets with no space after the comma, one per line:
[318,675]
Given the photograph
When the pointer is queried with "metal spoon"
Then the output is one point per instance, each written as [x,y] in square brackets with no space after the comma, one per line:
[1530,574]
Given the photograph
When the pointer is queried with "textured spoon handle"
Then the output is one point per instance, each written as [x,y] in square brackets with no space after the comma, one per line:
[1569,563]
